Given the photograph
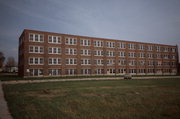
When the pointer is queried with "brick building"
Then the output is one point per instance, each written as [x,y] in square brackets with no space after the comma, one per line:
[54,54]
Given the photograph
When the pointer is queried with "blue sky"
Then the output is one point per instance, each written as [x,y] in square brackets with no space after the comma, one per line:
[154,21]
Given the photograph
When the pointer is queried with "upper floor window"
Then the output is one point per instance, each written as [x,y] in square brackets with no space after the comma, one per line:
[122,62]
[85,61]
[173,49]
[150,55]
[54,50]
[98,43]
[131,46]
[71,41]
[71,51]
[110,53]
[36,60]
[122,45]
[166,49]
[132,62]
[141,47]
[150,48]
[36,49]
[86,52]
[36,37]
[132,54]
[99,61]
[98,53]
[110,44]
[110,62]
[71,61]
[142,55]
[158,48]
[85,42]
[122,54]
[54,39]
[54,61]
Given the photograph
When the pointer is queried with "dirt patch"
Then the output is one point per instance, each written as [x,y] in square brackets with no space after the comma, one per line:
[93,95]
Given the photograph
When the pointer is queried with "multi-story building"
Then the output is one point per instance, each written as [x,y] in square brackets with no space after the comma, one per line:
[53,54]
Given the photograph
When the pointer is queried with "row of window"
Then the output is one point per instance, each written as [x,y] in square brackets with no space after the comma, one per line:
[56,72]
[86,52]
[98,43]
[73,61]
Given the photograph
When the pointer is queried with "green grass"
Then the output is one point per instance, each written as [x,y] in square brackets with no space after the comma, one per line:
[110,99]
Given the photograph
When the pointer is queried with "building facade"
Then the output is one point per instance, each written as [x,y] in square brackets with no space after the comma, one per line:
[53,54]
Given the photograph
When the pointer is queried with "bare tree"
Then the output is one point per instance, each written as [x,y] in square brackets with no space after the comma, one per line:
[2,59]
[10,64]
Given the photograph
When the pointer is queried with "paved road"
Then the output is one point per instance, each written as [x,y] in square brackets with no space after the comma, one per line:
[4,111]
[82,79]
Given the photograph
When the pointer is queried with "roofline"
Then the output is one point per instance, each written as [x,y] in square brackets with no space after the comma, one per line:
[96,37]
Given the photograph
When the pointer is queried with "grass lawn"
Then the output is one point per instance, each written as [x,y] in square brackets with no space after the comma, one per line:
[110,99]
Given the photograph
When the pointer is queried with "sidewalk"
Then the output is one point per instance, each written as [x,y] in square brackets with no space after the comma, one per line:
[4,112]
[83,79]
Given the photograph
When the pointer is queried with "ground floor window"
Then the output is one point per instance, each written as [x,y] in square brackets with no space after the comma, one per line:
[85,71]
[54,72]
[71,71]
[132,70]
[35,72]
[121,70]
[99,71]
[111,71]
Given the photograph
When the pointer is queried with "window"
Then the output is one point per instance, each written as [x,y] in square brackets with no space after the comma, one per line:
[122,45]
[110,62]
[150,48]
[98,43]
[35,72]
[36,60]
[36,37]
[122,62]
[71,51]
[173,50]
[132,62]
[36,49]
[158,48]
[132,54]
[173,57]
[54,39]
[110,44]
[131,46]
[141,47]
[122,54]
[85,61]
[150,55]
[111,71]
[98,53]
[71,61]
[85,52]
[71,41]
[150,63]
[122,70]
[85,42]
[54,72]
[110,53]
[99,62]
[166,49]
[54,50]
[142,55]
[142,62]
[99,71]
[54,61]
[166,56]
[71,71]
[85,71]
